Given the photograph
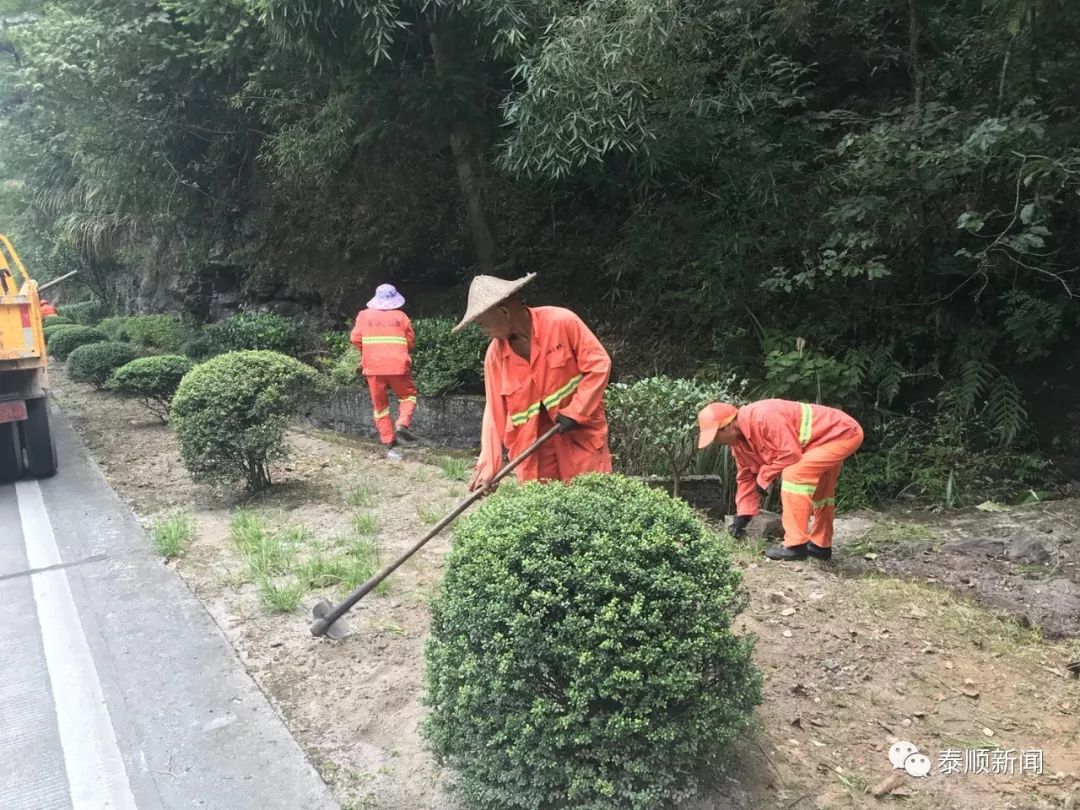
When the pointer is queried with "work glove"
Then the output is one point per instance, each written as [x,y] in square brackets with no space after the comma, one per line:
[763,492]
[738,526]
[565,423]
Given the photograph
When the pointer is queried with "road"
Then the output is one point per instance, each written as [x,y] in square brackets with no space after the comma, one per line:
[117,690]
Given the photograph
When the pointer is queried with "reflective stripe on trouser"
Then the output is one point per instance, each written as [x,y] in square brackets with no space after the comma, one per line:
[404,389]
[808,489]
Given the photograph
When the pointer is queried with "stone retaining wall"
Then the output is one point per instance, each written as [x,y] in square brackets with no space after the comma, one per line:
[449,421]
[704,492]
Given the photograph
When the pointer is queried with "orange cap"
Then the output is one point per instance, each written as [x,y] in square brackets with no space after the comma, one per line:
[712,418]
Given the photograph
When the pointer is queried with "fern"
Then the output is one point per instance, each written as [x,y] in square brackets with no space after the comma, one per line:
[1034,325]
[982,390]
[875,368]
[970,387]
[1008,417]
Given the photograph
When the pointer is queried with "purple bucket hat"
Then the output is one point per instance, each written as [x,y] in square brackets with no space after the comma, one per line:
[386,297]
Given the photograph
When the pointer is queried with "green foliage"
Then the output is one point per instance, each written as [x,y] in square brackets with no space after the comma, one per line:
[200,346]
[564,668]
[163,332]
[56,320]
[231,413]
[334,344]
[48,327]
[445,362]
[86,313]
[653,422]
[346,368]
[980,393]
[154,380]
[63,340]
[173,535]
[456,469]
[259,331]
[115,326]
[94,363]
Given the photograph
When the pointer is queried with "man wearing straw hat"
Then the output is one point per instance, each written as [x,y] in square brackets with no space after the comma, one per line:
[543,367]
[384,336]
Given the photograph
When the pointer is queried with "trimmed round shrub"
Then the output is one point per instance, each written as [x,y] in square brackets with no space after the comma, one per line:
[251,331]
[154,380]
[86,313]
[230,414]
[65,339]
[94,363]
[48,327]
[163,332]
[56,320]
[444,362]
[581,651]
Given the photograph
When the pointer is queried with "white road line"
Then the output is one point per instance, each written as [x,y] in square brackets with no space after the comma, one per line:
[95,769]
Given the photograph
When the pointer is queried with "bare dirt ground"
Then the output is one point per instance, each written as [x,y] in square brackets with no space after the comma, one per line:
[854,658]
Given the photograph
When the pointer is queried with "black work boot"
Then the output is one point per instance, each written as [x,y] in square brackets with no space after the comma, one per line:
[819,552]
[404,434]
[787,552]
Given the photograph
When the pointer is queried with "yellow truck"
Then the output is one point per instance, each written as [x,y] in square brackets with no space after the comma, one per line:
[26,440]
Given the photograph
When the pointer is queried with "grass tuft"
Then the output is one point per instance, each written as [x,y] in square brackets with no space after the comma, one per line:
[361,496]
[171,536]
[456,469]
[281,597]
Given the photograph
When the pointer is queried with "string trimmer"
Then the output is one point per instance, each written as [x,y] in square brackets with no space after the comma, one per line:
[328,621]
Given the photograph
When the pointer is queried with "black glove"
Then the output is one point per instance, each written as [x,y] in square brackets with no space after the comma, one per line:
[761,491]
[565,423]
[738,526]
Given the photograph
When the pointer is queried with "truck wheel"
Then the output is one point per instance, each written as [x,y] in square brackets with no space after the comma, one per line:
[38,439]
[11,460]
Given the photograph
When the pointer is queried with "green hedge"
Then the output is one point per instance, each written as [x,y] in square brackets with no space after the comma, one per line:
[48,327]
[162,332]
[115,327]
[94,363]
[445,362]
[581,651]
[86,313]
[231,412]
[260,331]
[63,340]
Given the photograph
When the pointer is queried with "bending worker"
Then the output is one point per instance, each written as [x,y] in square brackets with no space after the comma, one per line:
[805,446]
[543,367]
[384,336]
[47,308]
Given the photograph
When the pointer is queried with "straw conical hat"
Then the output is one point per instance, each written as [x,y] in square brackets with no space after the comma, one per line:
[487,291]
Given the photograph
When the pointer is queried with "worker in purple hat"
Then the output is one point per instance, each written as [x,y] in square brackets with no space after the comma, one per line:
[384,336]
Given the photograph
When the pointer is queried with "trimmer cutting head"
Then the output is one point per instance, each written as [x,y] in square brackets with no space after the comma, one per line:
[320,627]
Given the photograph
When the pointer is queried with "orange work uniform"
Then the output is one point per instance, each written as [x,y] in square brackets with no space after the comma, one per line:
[566,373]
[385,339]
[47,310]
[805,445]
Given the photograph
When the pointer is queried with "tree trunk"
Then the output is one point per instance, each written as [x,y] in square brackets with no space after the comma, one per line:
[467,162]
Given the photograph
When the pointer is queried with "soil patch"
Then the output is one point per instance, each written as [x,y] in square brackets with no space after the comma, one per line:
[851,664]
[1023,561]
